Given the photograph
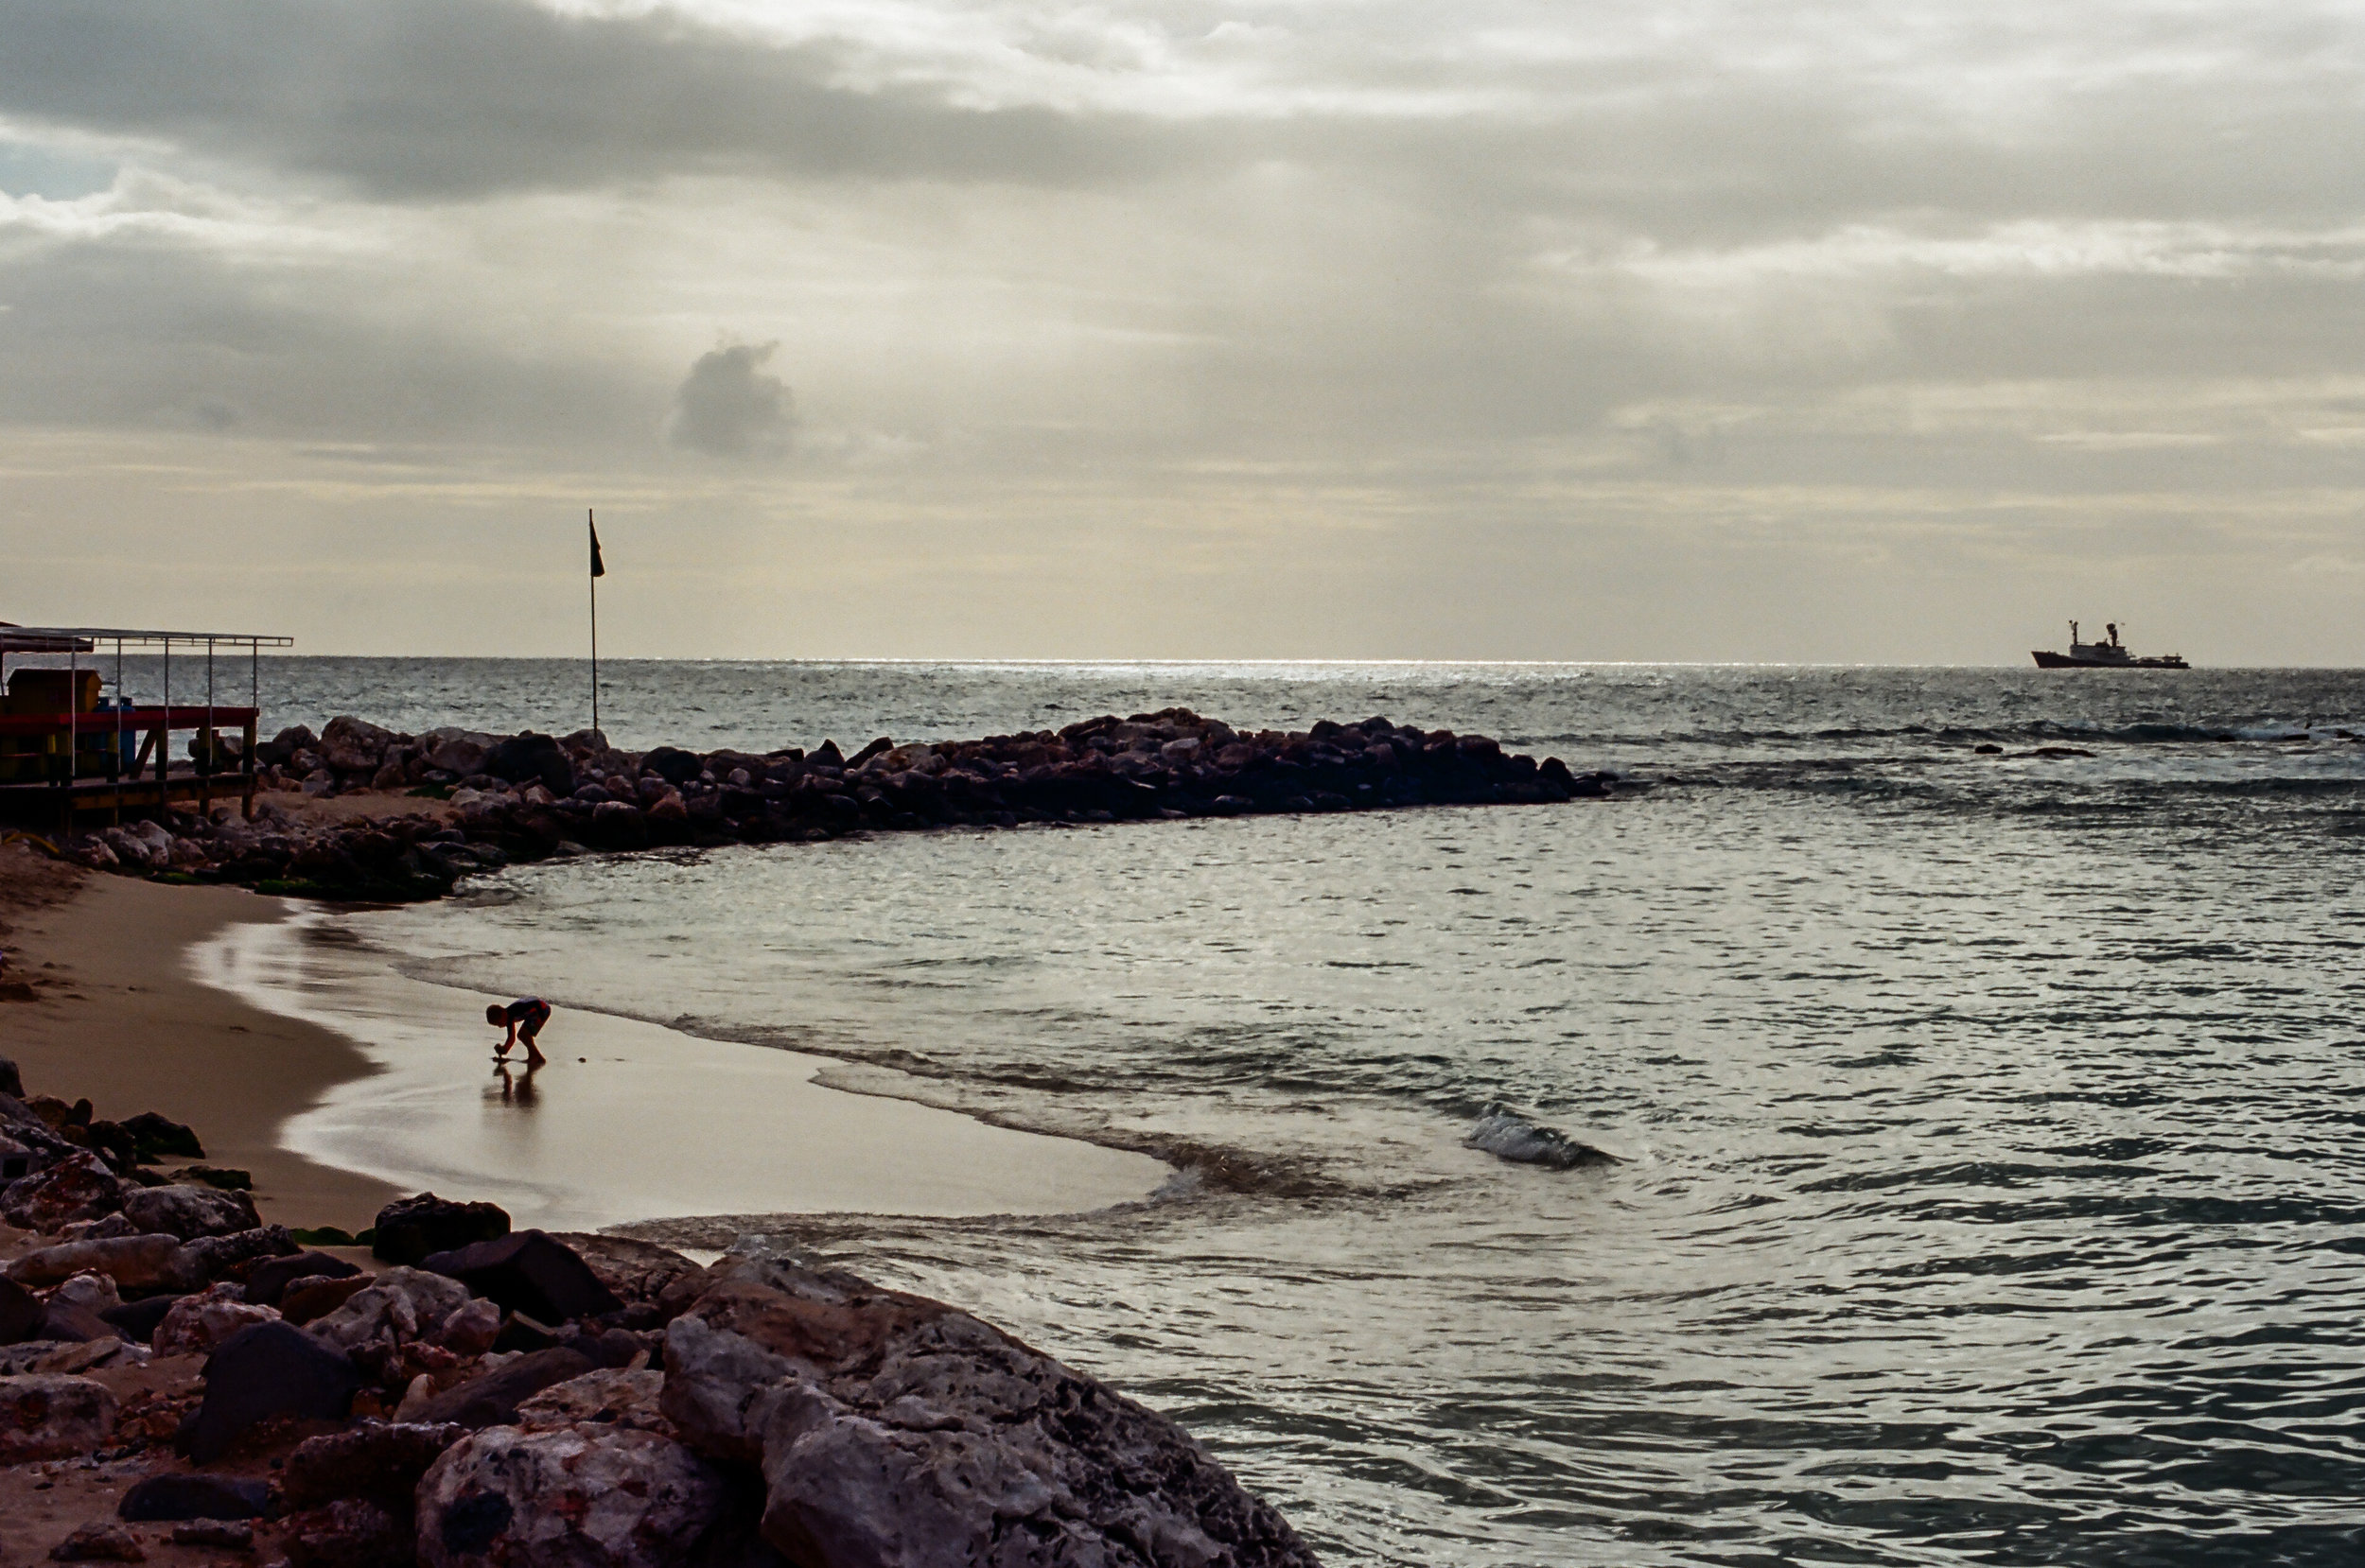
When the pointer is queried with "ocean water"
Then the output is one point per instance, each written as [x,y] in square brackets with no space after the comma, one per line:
[1989,1126]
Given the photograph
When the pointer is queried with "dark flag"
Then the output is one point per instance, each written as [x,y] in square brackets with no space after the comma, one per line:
[599,567]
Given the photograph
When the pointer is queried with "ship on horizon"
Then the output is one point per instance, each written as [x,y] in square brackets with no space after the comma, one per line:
[2103,656]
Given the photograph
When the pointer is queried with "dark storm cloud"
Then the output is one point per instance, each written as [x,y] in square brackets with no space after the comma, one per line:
[417,99]
[728,406]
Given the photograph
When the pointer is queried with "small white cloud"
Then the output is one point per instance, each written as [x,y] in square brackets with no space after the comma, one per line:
[726,406]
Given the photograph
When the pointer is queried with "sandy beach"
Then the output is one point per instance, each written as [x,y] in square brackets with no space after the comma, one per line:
[113,1013]
[630,1121]
[341,1084]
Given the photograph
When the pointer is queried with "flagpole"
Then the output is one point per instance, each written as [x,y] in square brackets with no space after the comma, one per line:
[593,525]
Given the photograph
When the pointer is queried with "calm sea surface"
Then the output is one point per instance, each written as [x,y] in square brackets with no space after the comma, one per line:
[1991,1126]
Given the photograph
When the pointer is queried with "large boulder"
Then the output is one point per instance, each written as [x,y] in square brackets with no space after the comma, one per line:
[673,764]
[457,752]
[134,1262]
[896,1431]
[530,1272]
[315,1296]
[410,1228]
[379,1462]
[615,824]
[236,1255]
[532,758]
[268,1369]
[352,1532]
[138,1321]
[43,1417]
[282,747]
[400,1307]
[493,1399]
[190,1212]
[19,1313]
[79,1187]
[354,745]
[625,1397]
[587,1496]
[641,1274]
[98,1541]
[269,1280]
[196,1324]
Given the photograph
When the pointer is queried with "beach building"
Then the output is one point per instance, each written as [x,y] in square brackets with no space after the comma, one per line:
[71,747]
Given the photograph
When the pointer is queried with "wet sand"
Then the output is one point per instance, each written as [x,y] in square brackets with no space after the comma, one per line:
[631,1121]
[114,1014]
[341,1085]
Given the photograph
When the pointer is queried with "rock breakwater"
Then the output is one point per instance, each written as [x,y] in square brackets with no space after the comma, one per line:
[525,1399]
[528,796]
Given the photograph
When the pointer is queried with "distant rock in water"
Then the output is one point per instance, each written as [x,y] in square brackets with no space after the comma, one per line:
[1513,1138]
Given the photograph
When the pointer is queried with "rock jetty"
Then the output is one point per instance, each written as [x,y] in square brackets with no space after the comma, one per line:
[528,796]
[175,1375]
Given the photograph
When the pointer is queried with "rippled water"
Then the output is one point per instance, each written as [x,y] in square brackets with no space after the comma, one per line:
[1989,1124]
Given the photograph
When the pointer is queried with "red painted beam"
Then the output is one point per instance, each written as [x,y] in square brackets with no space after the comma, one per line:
[131,721]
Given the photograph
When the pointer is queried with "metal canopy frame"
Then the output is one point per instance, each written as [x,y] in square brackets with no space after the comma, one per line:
[75,642]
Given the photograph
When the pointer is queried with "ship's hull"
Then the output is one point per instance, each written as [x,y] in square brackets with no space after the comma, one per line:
[2047,659]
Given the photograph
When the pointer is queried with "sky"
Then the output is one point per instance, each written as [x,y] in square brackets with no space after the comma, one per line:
[1862,330]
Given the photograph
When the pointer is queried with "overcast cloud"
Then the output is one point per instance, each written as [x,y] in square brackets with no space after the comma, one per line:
[1723,330]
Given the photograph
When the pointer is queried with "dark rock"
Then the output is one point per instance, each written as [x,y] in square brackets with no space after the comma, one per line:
[200,1322]
[410,1228]
[172,1496]
[617,826]
[79,1187]
[98,1542]
[520,1334]
[381,1462]
[529,1272]
[891,1429]
[19,1313]
[568,1497]
[353,745]
[640,1272]
[136,1320]
[1507,1135]
[613,1348]
[11,1082]
[271,1277]
[74,1323]
[349,1533]
[190,1212]
[493,1399]
[134,1262]
[114,1143]
[532,758]
[673,765]
[282,747]
[269,1369]
[233,1257]
[47,1417]
[313,1296]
